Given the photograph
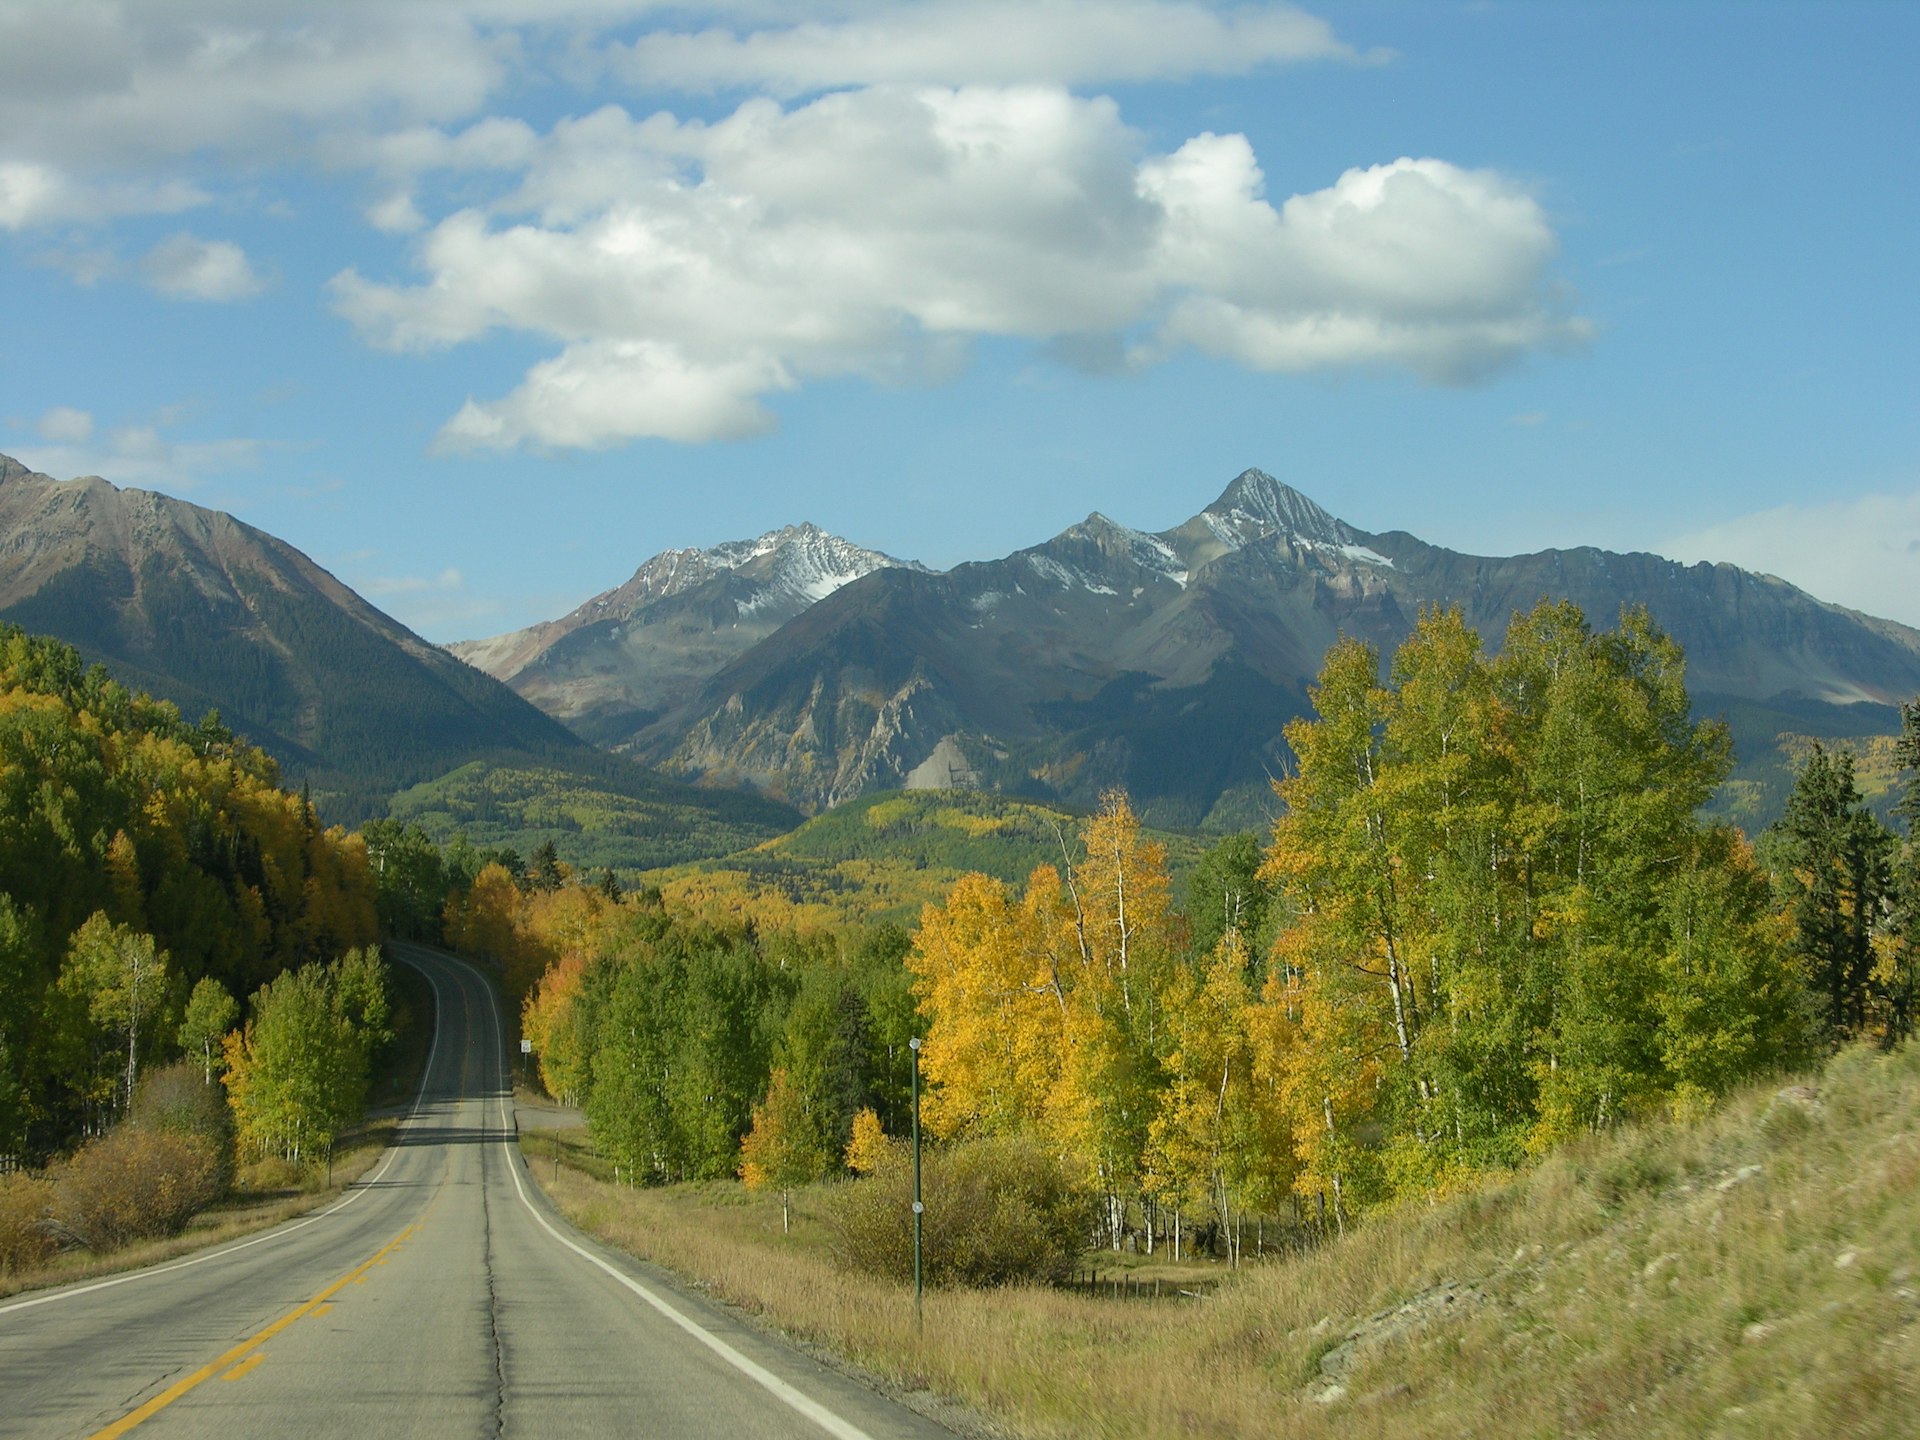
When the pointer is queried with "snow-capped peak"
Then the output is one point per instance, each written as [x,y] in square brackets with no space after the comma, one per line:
[794,566]
[1256,504]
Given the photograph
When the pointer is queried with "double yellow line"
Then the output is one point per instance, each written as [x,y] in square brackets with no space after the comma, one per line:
[243,1352]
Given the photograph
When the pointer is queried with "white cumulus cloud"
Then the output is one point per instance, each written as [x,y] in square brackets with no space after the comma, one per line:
[1863,553]
[185,267]
[955,42]
[908,178]
[97,84]
[34,194]
[396,214]
[688,270]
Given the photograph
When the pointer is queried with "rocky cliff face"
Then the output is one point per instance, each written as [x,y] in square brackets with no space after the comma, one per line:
[618,661]
[1171,662]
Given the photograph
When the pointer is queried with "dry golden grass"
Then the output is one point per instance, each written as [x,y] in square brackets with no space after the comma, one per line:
[1754,1274]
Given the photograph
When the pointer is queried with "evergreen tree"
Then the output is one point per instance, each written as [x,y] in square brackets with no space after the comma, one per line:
[1832,865]
[544,871]
[1900,957]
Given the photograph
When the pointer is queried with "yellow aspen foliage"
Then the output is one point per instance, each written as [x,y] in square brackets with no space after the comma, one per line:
[992,1053]
[1317,1048]
[487,922]
[1047,1012]
[867,1150]
[784,1147]
[1202,1140]
[568,920]
[1112,946]
[546,1021]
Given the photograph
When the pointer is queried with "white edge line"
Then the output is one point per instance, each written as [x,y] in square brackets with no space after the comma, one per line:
[759,1374]
[359,1188]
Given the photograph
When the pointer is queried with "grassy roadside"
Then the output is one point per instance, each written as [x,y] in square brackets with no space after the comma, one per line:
[240,1214]
[265,1196]
[1754,1274]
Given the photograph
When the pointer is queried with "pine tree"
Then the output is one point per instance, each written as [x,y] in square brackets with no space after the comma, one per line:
[1899,958]
[1832,859]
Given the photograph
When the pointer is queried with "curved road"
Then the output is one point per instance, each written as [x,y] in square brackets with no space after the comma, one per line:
[442,1296]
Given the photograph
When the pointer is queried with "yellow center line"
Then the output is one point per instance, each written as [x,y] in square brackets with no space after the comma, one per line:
[244,1366]
[245,1348]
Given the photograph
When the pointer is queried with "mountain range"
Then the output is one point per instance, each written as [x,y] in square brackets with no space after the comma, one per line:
[201,609]
[1166,662]
[798,670]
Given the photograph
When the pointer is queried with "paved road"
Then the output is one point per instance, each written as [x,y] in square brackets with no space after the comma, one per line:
[442,1296]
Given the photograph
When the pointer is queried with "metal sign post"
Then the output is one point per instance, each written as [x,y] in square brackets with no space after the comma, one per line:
[919,1210]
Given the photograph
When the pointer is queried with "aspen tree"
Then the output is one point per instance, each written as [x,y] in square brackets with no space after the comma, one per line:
[784,1147]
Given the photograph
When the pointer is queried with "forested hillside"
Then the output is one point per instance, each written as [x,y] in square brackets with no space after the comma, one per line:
[882,858]
[599,811]
[148,866]
[1489,919]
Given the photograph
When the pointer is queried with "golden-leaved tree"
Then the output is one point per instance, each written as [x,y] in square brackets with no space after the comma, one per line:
[1048,1012]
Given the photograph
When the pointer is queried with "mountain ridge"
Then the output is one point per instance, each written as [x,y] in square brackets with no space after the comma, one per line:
[197,607]
[1102,655]
[618,659]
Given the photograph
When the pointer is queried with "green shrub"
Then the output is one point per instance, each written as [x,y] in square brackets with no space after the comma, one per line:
[133,1183]
[26,1239]
[177,1100]
[998,1212]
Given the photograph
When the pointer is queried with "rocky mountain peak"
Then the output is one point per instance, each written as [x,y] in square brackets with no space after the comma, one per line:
[642,646]
[802,562]
[1256,504]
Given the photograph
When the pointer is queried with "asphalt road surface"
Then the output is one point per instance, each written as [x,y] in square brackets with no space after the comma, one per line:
[441,1296]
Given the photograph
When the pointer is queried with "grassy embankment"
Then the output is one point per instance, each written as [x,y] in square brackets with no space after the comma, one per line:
[270,1192]
[1754,1274]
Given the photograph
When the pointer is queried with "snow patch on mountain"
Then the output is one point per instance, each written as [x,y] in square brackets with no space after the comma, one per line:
[1156,556]
[794,567]
[1066,577]
[1256,504]
[1365,554]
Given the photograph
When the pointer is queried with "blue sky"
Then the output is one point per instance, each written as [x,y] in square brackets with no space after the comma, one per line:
[483,302]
